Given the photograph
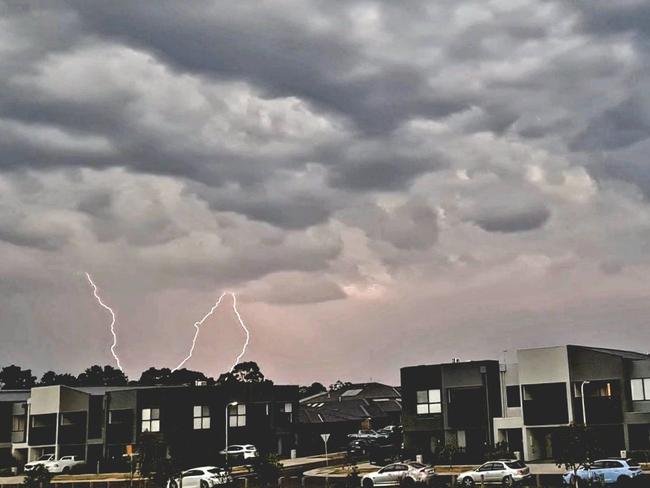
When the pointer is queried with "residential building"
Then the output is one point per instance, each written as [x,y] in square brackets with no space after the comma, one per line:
[543,391]
[450,404]
[345,411]
[98,423]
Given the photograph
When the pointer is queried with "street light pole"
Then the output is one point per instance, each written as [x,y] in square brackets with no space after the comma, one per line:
[231,404]
[584,410]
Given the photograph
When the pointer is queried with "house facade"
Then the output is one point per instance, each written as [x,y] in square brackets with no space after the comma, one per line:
[450,404]
[98,424]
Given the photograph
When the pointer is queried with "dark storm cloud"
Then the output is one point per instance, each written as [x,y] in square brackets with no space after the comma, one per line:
[513,220]
[347,155]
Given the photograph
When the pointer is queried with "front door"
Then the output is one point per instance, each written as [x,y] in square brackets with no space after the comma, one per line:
[192,479]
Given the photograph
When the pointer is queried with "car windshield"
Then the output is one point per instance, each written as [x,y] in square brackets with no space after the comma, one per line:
[632,462]
[516,465]
[416,465]
[45,457]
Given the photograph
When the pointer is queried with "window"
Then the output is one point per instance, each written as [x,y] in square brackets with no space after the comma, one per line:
[201,417]
[150,420]
[640,389]
[237,415]
[287,408]
[513,396]
[18,423]
[120,417]
[428,401]
[461,439]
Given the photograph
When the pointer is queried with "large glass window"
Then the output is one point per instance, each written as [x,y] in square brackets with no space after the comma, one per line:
[428,402]
[640,389]
[201,417]
[237,415]
[18,423]
[150,420]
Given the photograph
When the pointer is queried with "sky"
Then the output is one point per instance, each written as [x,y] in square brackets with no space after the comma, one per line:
[381,183]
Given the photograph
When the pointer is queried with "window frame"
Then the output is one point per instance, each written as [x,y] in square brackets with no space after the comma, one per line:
[237,415]
[429,403]
[203,417]
[152,419]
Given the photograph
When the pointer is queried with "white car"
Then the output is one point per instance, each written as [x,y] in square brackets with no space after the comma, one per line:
[609,471]
[41,461]
[245,451]
[407,473]
[204,477]
[65,464]
[368,434]
[508,473]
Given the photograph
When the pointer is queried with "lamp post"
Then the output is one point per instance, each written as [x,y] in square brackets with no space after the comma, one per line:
[584,411]
[231,404]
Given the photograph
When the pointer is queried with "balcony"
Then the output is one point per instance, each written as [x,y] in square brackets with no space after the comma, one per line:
[545,404]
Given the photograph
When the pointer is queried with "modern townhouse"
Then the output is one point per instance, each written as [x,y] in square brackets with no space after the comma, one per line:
[98,423]
[548,388]
[450,404]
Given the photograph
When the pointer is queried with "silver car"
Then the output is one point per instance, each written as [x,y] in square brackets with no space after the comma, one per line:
[508,473]
[399,474]
[203,477]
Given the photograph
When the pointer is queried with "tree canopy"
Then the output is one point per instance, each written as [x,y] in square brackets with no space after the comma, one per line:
[246,372]
[15,378]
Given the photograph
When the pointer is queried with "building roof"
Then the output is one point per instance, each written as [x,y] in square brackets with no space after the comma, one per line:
[355,391]
[14,395]
[347,410]
[353,402]
[616,352]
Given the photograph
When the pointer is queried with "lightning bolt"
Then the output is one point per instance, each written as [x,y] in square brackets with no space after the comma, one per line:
[243,326]
[110,310]
[197,327]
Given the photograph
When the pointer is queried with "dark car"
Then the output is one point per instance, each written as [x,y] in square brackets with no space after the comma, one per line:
[359,447]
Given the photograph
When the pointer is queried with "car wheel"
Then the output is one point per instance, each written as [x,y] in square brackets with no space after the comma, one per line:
[66,470]
[367,483]
[468,482]
[204,484]
[408,483]
[624,481]
[173,484]
[508,482]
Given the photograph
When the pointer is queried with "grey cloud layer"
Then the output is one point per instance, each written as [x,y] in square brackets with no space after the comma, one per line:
[315,154]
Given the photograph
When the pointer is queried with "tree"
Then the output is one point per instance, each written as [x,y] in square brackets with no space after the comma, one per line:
[39,477]
[106,376]
[573,446]
[154,461]
[267,468]
[246,372]
[165,376]
[15,378]
[51,378]
[313,389]
[339,385]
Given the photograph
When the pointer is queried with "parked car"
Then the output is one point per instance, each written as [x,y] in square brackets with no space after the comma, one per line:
[509,472]
[400,474]
[204,477]
[390,430]
[243,451]
[65,465]
[359,447]
[367,434]
[41,461]
[621,472]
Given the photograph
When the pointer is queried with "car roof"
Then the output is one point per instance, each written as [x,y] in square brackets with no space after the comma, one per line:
[205,468]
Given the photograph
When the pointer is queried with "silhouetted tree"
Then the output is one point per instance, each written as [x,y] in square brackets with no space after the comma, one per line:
[339,385]
[154,460]
[51,378]
[575,445]
[106,376]
[313,389]
[15,378]
[246,372]
[39,477]
[165,376]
